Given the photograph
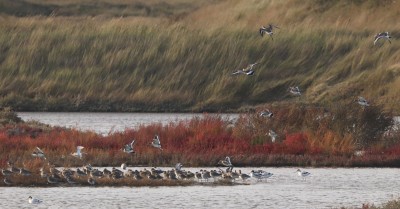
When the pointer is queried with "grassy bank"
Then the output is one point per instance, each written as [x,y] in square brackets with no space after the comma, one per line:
[81,57]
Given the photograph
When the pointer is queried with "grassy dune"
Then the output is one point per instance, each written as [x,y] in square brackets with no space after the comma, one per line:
[180,57]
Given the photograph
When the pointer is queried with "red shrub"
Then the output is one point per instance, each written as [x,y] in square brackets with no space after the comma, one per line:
[296,143]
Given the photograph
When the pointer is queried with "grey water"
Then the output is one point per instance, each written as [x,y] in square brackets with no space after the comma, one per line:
[325,188]
[106,123]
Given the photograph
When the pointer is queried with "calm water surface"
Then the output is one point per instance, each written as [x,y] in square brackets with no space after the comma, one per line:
[326,188]
[106,123]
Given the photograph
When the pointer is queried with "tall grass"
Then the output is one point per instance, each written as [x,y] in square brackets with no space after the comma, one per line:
[76,63]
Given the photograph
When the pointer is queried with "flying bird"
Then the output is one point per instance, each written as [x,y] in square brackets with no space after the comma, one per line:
[384,35]
[362,101]
[273,135]
[178,166]
[267,113]
[38,153]
[268,30]
[156,142]
[78,152]
[227,163]
[128,148]
[246,71]
[295,91]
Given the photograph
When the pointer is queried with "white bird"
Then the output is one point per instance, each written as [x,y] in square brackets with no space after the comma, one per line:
[38,153]
[260,174]
[156,142]
[246,71]
[227,163]
[384,35]
[178,166]
[128,148]
[267,113]
[205,175]
[34,200]
[268,30]
[295,91]
[123,166]
[303,174]
[273,135]
[78,152]
[362,101]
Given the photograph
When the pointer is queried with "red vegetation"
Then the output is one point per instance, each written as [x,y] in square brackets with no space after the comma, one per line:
[302,140]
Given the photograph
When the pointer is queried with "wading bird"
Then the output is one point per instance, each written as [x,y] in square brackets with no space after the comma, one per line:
[7,182]
[303,174]
[34,200]
[91,181]
[260,174]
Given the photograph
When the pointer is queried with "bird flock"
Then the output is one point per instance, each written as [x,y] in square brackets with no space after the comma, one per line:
[91,175]
[78,176]
[295,90]
[64,176]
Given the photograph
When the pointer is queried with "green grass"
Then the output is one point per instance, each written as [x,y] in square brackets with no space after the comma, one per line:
[182,60]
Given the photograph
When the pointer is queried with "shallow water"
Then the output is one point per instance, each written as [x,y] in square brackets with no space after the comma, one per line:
[325,188]
[105,123]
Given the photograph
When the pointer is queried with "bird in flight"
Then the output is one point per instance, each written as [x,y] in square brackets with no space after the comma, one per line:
[78,152]
[156,142]
[227,163]
[273,135]
[267,113]
[246,71]
[38,153]
[268,30]
[128,148]
[384,35]
[362,101]
[295,91]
